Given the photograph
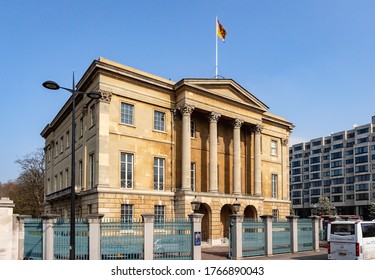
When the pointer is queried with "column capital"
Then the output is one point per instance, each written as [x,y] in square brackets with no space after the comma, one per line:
[214,117]
[237,123]
[186,109]
[257,129]
[284,141]
[106,96]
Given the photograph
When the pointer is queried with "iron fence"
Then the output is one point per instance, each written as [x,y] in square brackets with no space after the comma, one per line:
[33,243]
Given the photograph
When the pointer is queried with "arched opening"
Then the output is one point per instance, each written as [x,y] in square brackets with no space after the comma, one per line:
[206,220]
[250,212]
[226,210]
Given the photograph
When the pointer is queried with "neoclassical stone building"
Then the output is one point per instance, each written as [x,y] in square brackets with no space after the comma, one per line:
[151,145]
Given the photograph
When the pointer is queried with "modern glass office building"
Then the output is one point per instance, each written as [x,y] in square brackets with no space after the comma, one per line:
[340,166]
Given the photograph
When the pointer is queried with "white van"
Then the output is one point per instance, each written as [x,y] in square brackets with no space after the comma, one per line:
[351,240]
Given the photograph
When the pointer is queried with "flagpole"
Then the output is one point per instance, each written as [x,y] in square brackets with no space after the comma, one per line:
[217,57]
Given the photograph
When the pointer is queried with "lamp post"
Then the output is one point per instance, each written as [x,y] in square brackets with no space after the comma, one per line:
[93,95]
[236,206]
[195,204]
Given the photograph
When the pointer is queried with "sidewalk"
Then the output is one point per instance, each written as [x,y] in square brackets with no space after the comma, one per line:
[221,253]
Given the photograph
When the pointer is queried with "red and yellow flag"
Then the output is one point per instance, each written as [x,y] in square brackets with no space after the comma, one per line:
[220,30]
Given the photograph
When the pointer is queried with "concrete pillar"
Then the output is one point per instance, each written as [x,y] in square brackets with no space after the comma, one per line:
[186,111]
[6,228]
[94,236]
[236,221]
[196,235]
[267,220]
[293,220]
[148,232]
[258,160]
[48,234]
[19,236]
[237,156]
[214,117]
[315,227]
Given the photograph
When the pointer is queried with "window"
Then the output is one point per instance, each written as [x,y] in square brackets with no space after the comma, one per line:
[126,170]
[62,144]
[273,148]
[192,175]
[91,171]
[61,181]
[81,127]
[92,115]
[159,121]
[192,129]
[159,174]
[274,185]
[67,183]
[127,212]
[67,139]
[127,113]
[80,173]
[55,183]
[159,212]
[56,148]
[49,153]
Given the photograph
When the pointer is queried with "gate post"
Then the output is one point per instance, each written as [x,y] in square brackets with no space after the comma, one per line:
[293,220]
[148,234]
[315,227]
[94,236]
[196,235]
[236,221]
[48,234]
[6,228]
[19,235]
[267,220]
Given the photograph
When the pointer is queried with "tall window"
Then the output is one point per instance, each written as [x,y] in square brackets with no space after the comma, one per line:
[81,127]
[159,212]
[275,214]
[62,144]
[80,173]
[67,139]
[92,115]
[192,129]
[127,111]
[192,175]
[126,170]
[67,183]
[127,212]
[91,171]
[159,174]
[274,185]
[273,148]
[159,121]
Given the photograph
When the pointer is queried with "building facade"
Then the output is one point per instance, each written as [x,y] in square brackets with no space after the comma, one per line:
[150,145]
[340,166]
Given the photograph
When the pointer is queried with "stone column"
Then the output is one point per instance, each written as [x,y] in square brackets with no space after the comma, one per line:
[236,236]
[315,227]
[6,228]
[94,236]
[237,156]
[148,224]
[293,220]
[102,156]
[186,111]
[48,236]
[267,220]
[258,161]
[214,117]
[196,232]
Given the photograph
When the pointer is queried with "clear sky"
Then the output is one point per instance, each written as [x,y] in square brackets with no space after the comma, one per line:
[311,62]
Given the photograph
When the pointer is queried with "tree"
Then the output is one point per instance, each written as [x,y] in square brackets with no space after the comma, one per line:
[372,211]
[27,192]
[324,206]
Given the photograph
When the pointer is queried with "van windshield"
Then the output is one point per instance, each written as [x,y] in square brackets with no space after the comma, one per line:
[342,229]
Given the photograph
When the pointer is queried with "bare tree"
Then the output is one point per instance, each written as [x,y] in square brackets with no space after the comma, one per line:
[29,195]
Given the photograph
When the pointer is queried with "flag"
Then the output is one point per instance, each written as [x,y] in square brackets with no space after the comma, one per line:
[220,30]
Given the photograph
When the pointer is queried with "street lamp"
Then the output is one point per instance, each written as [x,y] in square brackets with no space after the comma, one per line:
[93,95]
[195,204]
[236,206]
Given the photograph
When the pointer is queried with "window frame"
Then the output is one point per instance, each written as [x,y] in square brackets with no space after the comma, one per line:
[125,172]
[157,123]
[159,176]
[124,117]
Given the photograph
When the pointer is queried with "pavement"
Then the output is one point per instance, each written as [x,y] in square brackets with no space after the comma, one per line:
[221,253]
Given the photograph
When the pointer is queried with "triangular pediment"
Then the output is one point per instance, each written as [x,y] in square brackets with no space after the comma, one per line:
[225,89]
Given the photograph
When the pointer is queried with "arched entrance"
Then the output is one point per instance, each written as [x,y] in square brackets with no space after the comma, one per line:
[226,210]
[206,220]
[250,212]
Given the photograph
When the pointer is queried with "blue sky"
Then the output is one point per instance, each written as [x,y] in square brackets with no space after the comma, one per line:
[311,62]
